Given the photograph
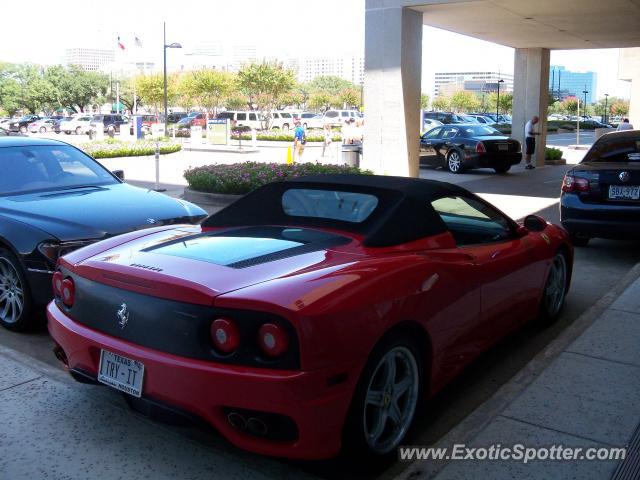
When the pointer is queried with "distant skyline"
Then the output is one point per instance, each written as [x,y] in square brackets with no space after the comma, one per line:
[277,28]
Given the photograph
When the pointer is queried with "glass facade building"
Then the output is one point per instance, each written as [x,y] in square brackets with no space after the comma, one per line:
[564,83]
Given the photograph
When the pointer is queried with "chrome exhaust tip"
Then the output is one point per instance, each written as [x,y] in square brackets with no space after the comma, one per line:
[237,421]
[257,426]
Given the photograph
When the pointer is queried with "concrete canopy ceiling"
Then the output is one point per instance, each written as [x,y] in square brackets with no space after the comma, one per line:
[554,24]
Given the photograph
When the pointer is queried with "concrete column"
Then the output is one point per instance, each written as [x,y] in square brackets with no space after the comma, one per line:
[629,70]
[393,68]
[531,95]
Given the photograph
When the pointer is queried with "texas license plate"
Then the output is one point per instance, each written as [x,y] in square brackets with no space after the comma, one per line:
[502,147]
[626,192]
[121,373]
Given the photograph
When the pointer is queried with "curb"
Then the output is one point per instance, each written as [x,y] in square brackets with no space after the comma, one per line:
[213,199]
[477,420]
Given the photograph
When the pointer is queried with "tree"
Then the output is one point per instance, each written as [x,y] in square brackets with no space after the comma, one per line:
[506,102]
[265,84]
[350,97]
[74,87]
[463,101]
[570,105]
[620,108]
[9,89]
[441,103]
[424,101]
[209,88]
[329,85]
[319,101]
[150,88]
[237,101]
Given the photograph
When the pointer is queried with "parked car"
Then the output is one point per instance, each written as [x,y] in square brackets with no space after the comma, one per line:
[282,120]
[601,195]
[57,124]
[251,119]
[175,117]
[465,146]
[111,122]
[79,124]
[21,124]
[338,117]
[312,314]
[194,119]
[43,125]
[481,118]
[311,120]
[429,123]
[444,117]
[54,198]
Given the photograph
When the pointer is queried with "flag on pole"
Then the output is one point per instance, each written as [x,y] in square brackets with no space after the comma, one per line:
[120,44]
[137,41]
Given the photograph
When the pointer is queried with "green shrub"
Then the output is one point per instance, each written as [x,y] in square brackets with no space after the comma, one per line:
[240,178]
[553,153]
[111,148]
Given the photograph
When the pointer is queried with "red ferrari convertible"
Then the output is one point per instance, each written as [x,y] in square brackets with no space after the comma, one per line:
[311,314]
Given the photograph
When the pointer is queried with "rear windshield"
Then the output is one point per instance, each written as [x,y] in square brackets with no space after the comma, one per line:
[621,150]
[479,131]
[350,207]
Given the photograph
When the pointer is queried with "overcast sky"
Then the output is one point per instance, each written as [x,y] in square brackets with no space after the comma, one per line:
[39,30]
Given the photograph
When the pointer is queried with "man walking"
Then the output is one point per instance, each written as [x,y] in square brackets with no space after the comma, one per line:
[624,125]
[299,141]
[530,132]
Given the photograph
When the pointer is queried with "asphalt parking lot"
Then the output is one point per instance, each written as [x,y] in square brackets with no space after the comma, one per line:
[597,268]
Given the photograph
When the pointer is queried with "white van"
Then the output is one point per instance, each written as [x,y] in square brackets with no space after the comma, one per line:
[339,117]
[252,119]
[281,120]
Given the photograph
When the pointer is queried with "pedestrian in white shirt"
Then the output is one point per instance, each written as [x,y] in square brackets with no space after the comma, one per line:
[530,132]
[624,125]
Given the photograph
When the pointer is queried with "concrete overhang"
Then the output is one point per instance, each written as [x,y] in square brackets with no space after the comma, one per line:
[553,24]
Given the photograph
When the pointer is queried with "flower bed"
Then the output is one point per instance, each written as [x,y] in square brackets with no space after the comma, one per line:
[241,178]
[111,148]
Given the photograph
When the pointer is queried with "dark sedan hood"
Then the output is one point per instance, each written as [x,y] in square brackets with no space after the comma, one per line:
[97,212]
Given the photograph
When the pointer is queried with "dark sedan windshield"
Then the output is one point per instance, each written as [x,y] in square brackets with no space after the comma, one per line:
[478,131]
[41,168]
[619,150]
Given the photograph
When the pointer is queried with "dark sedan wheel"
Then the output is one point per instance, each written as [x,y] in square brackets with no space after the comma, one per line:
[554,290]
[502,169]
[454,162]
[386,398]
[15,302]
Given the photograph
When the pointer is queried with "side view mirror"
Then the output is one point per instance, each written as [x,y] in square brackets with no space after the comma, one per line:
[535,223]
[119,174]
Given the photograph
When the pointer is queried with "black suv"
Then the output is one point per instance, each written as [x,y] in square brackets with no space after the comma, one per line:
[176,117]
[22,123]
[444,117]
[111,121]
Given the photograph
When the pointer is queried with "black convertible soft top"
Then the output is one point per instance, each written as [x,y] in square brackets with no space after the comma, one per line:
[404,212]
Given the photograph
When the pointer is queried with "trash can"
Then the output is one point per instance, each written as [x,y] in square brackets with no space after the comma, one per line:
[351,155]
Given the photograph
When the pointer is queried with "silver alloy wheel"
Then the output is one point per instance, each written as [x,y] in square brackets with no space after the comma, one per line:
[454,162]
[391,399]
[11,292]
[555,288]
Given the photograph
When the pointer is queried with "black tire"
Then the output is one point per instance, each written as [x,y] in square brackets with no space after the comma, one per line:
[78,130]
[550,310]
[23,129]
[454,162]
[503,169]
[12,278]
[43,129]
[579,240]
[355,438]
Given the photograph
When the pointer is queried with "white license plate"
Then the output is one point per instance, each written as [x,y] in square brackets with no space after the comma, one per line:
[503,148]
[121,373]
[620,192]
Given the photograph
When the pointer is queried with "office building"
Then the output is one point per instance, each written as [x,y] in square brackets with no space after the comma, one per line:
[564,83]
[348,67]
[90,59]
[473,81]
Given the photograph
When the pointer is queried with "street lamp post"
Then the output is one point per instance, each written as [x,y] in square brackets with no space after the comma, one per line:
[165,46]
[498,102]
[585,91]
[606,108]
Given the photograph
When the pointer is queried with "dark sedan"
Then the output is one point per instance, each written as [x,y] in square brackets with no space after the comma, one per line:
[601,195]
[465,146]
[21,124]
[53,199]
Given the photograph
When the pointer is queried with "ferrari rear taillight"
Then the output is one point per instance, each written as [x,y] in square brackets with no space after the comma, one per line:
[272,340]
[480,148]
[571,183]
[68,292]
[56,281]
[225,335]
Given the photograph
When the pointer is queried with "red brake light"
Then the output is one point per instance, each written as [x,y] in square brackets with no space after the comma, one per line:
[273,340]
[68,292]
[480,148]
[57,283]
[225,335]
[571,183]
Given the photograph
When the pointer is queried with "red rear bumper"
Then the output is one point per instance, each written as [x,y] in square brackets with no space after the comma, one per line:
[205,389]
